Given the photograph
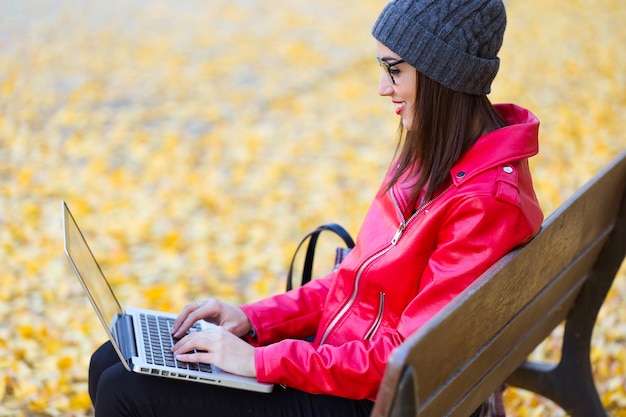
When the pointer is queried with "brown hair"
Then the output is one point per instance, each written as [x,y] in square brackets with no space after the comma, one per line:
[446,124]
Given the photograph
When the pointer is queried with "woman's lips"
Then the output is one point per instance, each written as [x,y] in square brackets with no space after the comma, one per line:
[399,106]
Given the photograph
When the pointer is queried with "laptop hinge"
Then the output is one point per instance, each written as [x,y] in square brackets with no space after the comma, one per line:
[125,335]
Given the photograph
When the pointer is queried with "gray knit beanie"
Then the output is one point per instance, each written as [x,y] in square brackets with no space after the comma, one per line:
[454,42]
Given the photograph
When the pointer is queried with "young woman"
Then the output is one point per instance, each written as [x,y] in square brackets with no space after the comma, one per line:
[458,196]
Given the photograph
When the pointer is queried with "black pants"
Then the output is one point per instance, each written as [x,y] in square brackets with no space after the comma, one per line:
[117,392]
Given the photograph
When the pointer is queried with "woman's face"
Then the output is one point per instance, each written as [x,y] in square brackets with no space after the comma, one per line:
[402,89]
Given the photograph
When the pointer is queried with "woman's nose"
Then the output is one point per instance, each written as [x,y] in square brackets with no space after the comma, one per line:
[385,88]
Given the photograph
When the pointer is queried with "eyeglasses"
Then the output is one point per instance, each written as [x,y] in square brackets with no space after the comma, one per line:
[387,67]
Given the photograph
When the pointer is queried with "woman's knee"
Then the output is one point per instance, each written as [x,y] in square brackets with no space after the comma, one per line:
[117,388]
[102,359]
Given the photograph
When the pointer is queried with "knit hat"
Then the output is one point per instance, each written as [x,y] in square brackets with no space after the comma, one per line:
[454,42]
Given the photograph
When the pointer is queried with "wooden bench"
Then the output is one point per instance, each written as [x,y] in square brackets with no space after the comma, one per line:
[483,337]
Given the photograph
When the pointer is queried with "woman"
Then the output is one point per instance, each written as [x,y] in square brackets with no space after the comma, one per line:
[458,197]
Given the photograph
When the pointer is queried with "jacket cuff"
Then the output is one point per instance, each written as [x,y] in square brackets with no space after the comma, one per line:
[252,336]
[259,364]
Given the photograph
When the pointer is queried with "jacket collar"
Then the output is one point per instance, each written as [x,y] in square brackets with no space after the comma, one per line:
[518,140]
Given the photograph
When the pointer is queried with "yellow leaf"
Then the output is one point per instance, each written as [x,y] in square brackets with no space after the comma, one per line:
[80,401]
[65,362]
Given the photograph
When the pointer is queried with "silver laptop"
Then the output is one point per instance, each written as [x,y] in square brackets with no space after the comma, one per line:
[142,338]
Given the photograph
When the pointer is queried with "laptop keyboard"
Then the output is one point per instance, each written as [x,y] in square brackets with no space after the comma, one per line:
[158,341]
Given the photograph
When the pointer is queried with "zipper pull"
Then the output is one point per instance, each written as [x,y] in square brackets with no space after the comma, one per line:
[399,232]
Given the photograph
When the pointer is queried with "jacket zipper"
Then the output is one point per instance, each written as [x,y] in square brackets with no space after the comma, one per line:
[404,223]
[396,237]
[379,317]
[355,292]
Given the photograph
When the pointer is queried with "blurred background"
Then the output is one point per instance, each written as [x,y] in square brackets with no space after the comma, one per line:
[197,142]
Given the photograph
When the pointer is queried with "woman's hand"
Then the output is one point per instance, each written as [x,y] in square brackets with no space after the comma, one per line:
[229,317]
[217,346]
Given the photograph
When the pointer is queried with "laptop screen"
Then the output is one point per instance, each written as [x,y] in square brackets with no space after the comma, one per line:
[89,272]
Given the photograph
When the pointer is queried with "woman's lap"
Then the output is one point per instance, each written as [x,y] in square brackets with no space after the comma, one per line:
[115,391]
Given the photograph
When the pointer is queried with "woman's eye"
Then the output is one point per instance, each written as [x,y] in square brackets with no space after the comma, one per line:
[394,71]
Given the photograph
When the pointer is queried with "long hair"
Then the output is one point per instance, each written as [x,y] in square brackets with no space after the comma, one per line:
[446,124]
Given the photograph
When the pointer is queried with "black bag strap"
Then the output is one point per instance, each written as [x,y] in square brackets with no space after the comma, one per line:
[310,251]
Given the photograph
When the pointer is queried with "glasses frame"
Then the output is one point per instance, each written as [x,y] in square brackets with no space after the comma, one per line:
[387,67]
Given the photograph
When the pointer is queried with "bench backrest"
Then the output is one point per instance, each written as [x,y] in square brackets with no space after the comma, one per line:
[453,363]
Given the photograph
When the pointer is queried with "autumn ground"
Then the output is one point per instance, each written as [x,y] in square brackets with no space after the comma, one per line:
[197,141]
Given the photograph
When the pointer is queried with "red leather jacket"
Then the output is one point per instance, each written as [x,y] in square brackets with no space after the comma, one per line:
[404,268]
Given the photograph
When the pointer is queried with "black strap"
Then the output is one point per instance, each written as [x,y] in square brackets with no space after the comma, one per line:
[310,251]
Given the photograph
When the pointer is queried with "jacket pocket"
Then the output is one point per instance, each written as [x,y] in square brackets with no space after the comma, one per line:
[379,317]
